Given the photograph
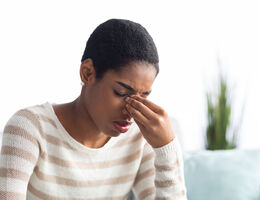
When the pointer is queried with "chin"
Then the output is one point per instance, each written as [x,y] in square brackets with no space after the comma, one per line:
[111,132]
[114,134]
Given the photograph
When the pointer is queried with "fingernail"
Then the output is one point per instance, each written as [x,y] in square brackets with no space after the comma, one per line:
[127,98]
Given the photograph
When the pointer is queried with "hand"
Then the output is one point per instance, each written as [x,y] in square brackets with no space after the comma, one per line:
[152,120]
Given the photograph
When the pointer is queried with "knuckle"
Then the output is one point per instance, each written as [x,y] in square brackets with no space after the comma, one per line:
[133,103]
[162,112]
[161,120]
[153,129]
[157,121]
[138,105]
[131,110]
[134,114]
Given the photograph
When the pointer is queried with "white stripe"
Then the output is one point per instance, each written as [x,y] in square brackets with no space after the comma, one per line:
[167,175]
[19,142]
[30,128]
[148,164]
[9,161]
[145,184]
[76,173]
[31,196]
[38,109]
[14,185]
[79,192]
[110,154]
[160,192]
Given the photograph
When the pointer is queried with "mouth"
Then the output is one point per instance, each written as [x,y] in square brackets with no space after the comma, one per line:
[122,126]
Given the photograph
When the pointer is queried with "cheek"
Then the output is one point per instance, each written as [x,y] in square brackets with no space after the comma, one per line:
[115,103]
[109,103]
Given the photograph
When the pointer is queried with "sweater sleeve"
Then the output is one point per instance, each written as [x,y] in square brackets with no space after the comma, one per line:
[161,173]
[19,154]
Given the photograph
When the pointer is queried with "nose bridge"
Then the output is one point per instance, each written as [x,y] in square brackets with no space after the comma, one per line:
[139,94]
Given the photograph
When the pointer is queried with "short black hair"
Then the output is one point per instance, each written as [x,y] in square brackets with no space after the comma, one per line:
[118,42]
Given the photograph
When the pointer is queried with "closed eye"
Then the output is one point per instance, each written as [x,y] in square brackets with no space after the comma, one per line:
[119,94]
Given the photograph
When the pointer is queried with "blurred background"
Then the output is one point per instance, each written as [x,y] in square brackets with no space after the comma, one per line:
[41,44]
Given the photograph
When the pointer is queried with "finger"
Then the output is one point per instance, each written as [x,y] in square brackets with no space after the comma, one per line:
[149,104]
[147,112]
[136,114]
[141,126]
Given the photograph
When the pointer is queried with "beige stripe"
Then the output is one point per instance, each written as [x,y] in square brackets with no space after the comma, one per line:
[47,119]
[128,140]
[145,174]
[56,141]
[15,130]
[74,183]
[162,168]
[96,165]
[6,150]
[13,173]
[175,196]
[147,192]
[35,120]
[148,157]
[11,195]
[168,183]
[42,195]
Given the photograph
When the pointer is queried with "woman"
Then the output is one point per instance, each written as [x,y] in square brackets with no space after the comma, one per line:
[90,148]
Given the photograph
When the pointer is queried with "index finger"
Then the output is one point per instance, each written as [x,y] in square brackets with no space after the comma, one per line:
[149,104]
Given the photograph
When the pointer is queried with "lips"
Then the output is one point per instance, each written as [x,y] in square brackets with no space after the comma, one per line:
[122,126]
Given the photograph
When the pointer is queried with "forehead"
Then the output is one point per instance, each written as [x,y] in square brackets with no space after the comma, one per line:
[140,76]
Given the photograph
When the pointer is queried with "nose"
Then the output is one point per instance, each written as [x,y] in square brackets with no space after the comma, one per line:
[126,116]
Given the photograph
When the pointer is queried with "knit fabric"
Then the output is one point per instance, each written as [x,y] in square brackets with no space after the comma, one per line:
[40,160]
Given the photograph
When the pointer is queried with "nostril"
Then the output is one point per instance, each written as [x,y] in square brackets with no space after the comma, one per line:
[124,112]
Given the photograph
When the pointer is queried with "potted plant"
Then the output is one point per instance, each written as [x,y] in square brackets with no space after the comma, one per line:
[219,109]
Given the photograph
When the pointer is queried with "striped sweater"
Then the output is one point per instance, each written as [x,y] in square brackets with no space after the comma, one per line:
[40,160]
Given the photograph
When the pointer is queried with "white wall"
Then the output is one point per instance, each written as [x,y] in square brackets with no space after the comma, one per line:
[41,44]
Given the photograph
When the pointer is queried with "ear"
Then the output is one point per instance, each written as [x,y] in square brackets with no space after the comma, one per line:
[87,72]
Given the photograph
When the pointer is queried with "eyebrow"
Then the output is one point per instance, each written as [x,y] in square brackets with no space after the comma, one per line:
[130,88]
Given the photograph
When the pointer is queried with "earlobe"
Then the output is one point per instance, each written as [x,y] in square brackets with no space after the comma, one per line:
[87,72]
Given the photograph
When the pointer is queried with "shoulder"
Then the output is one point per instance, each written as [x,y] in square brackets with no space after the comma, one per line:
[29,119]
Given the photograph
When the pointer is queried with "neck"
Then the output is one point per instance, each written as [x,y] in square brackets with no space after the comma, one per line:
[79,124]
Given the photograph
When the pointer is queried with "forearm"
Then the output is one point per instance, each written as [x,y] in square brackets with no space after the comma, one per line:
[161,174]
[169,176]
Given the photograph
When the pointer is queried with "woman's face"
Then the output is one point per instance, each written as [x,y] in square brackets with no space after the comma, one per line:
[104,99]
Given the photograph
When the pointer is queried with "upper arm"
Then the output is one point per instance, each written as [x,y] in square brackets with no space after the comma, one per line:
[19,154]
